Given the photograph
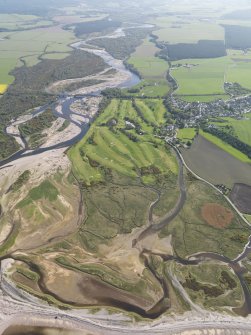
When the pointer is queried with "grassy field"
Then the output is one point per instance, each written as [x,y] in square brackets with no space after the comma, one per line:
[240,69]
[206,77]
[202,77]
[152,69]
[192,234]
[241,128]
[205,285]
[186,134]
[175,30]
[19,22]
[28,45]
[145,61]
[226,147]
[203,98]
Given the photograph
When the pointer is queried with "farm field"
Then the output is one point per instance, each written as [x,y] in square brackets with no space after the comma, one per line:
[152,69]
[206,77]
[25,47]
[200,76]
[215,164]
[203,98]
[145,61]
[241,128]
[226,147]
[20,22]
[178,30]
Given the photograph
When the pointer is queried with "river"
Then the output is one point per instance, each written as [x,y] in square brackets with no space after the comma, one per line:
[66,101]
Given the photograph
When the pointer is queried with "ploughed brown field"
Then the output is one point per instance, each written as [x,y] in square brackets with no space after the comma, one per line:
[215,165]
[216,215]
[241,197]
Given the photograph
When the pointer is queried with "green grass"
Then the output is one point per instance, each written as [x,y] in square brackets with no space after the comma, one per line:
[242,128]
[205,77]
[29,45]
[153,111]
[173,30]
[46,190]
[239,70]
[152,69]
[144,59]
[191,234]
[226,147]
[112,149]
[18,22]
[186,134]
[210,275]
[203,98]
[205,81]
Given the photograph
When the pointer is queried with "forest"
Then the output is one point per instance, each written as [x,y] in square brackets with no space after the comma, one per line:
[202,49]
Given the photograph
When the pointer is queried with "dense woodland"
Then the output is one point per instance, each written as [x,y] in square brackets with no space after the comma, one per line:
[79,64]
[33,129]
[84,28]
[202,49]
[123,47]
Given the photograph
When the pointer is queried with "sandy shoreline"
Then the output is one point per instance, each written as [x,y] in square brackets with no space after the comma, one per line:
[185,327]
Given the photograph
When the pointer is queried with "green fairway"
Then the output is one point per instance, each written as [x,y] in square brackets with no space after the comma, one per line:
[119,149]
[226,147]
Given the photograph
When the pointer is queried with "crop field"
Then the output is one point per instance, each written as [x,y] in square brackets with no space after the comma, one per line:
[226,147]
[3,88]
[215,164]
[176,30]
